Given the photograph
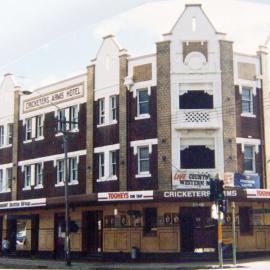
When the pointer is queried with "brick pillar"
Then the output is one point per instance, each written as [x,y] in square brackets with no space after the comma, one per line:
[123,65]
[90,128]
[228,106]
[164,116]
[263,54]
[15,144]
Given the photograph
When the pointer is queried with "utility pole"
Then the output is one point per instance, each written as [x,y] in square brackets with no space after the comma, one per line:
[67,217]
[220,252]
[233,233]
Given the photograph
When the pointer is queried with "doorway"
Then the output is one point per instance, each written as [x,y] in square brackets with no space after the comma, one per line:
[198,230]
[59,236]
[92,232]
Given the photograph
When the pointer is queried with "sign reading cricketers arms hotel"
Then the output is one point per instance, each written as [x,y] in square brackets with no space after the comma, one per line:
[56,97]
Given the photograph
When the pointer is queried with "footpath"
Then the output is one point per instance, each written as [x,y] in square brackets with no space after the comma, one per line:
[18,263]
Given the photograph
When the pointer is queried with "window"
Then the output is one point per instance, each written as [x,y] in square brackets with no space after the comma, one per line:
[9,178]
[113,108]
[27,176]
[74,117]
[101,109]
[28,129]
[73,169]
[61,120]
[150,221]
[247,104]
[249,158]
[2,184]
[39,174]
[112,163]
[101,168]
[245,220]
[2,136]
[10,133]
[142,102]
[39,126]
[197,157]
[196,99]
[143,160]
[60,171]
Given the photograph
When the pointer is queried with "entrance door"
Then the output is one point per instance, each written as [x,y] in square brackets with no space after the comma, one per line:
[198,230]
[12,233]
[34,233]
[59,236]
[92,231]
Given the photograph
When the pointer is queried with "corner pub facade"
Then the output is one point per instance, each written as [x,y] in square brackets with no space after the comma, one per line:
[151,131]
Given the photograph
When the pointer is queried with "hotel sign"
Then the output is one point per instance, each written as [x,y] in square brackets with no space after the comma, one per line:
[125,196]
[56,97]
[23,204]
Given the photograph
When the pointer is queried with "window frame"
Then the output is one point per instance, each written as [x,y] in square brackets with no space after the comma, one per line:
[101,111]
[60,171]
[113,108]
[112,163]
[139,114]
[1,180]
[249,101]
[73,170]
[9,178]
[139,160]
[27,177]
[2,135]
[10,133]
[74,117]
[39,174]
[101,165]
[39,126]
[28,129]
[253,159]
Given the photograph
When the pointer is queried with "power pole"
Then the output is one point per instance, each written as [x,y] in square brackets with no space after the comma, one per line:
[233,233]
[220,251]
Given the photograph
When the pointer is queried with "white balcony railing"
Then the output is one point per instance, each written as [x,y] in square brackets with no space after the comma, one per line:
[193,119]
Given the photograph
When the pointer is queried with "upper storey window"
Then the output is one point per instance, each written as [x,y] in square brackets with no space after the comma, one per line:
[101,109]
[68,118]
[196,99]
[34,127]
[2,136]
[247,100]
[142,102]
[107,110]
[6,135]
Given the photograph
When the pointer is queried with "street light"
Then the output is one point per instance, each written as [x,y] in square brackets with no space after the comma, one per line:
[63,129]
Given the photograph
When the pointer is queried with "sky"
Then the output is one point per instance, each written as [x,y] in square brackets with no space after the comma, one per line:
[42,41]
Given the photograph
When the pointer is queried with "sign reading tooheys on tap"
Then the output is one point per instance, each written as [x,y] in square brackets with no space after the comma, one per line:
[191,180]
[125,196]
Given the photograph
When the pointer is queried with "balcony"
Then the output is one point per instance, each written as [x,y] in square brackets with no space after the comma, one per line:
[197,119]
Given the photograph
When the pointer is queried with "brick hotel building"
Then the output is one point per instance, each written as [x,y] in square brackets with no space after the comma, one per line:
[148,132]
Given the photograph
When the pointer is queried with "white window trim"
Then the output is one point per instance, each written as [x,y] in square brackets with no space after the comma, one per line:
[253,160]
[6,137]
[143,115]
[248,141]
[149,142]
[4,167]
[34,128]
[144,173]
[106,150]
[107,111]
[252,88]
[53,158]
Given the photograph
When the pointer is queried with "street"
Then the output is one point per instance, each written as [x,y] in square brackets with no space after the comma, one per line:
[15,263]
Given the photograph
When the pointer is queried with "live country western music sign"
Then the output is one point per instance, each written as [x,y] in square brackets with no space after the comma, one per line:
[56,97]
[191,180]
